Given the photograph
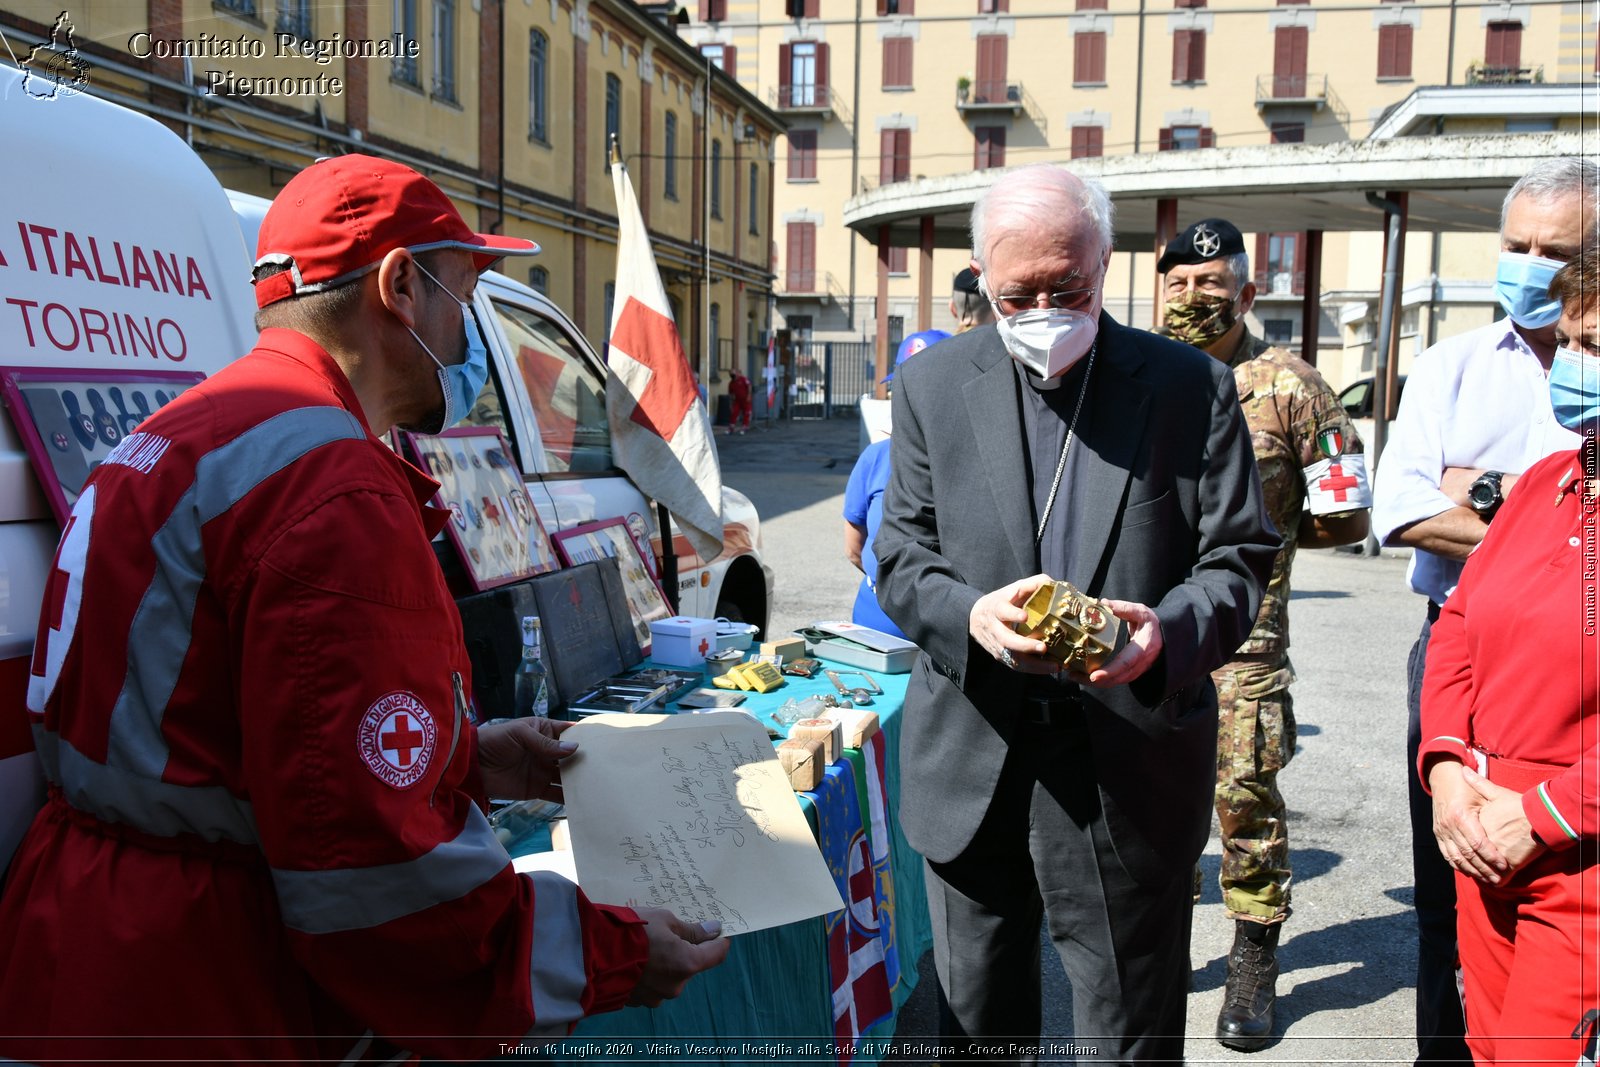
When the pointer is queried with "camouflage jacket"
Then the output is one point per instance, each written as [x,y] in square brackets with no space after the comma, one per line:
[1288,407]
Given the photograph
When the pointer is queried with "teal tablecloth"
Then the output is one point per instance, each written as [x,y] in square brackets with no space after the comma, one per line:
[771,999]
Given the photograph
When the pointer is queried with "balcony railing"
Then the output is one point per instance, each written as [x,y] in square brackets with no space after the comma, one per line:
[806,99]
[1291,89]
[1481,74]
[990,96]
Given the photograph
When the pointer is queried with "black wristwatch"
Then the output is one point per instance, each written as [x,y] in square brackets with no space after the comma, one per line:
[1484,494]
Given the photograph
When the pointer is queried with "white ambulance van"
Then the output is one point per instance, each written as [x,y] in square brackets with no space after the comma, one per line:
[119,253]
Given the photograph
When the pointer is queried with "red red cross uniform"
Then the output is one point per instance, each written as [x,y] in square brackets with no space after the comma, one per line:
[264,828]
[1512,680]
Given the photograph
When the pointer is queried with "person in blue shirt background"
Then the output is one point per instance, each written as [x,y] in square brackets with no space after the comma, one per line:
[863,506]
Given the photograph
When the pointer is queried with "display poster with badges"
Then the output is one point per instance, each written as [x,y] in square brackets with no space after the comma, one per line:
[610,538]
[492,522]
[71,421]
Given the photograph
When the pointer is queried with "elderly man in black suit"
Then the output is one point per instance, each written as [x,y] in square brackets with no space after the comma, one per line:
[1059,443]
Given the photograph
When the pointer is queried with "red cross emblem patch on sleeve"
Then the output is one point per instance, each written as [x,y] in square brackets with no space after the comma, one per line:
[396,739]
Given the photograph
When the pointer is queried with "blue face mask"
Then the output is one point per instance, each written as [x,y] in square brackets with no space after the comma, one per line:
[1575,390]
[460,382]
[1522,285]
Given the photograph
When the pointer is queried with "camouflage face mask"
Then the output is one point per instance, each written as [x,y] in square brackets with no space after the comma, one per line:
[1199,318]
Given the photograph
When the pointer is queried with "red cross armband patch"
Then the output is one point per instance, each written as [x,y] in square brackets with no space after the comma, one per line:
[396,739]
[1338,484]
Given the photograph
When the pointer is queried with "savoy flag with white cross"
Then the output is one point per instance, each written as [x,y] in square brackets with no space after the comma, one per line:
[660,433]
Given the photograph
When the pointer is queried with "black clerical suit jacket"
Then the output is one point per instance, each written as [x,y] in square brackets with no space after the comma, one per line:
[1167,511]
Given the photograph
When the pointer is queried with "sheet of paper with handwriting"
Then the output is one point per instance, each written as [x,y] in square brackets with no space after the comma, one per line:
[692,813]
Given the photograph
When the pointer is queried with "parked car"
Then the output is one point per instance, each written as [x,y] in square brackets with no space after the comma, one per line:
[1358,397]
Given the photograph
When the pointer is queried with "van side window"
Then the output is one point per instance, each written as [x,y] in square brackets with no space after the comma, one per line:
[569,400]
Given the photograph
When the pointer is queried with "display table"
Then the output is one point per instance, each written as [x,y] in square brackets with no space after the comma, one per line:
[773,997]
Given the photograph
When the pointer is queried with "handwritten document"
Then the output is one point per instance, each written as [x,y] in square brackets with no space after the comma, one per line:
[692,813]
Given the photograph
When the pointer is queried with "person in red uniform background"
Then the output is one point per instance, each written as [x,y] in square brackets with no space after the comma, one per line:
[1511,732]
[264,837]
[739,391]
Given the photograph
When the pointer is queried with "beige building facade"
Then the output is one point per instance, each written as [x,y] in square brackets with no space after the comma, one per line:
[508,106]
[886,91]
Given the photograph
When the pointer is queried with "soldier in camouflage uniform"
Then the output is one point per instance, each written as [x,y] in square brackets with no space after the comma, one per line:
[1307,452]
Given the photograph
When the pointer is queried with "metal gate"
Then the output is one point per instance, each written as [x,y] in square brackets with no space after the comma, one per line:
[829,377]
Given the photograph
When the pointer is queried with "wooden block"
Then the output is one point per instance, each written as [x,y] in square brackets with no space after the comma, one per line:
[827,731]
[857,724]
[803,762]
[790,647]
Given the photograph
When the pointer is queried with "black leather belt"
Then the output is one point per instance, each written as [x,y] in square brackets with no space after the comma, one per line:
[1054,711]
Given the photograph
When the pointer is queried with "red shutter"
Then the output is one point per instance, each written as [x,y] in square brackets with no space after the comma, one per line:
[802,155]
[1504,46]
[1167,142]
[730,61]
[812,7]
[992,7]
[886,156]
[991,80]
[802,258]
[785,73]
[1289,61]
[902,155]
[1088,142]
[1207,137]
[705,10]
[989,147]
[1091,5]
[1263,273]
[908,7]
[897,62]
[1089,58]
[1180,55]
[1394,51]
[822,73]
[1197,55]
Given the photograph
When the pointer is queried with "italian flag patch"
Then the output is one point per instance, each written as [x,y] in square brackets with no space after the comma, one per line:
[1331,442]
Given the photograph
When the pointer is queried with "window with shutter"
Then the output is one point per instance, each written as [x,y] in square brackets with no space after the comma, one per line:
[1188,3]
[989,147]
[1088,142]
[1289,45]
[1089,58]
[894,162]
[897,259]
[1091,5]
[1394,51]
[801,253]
[897,7]
[802,155]
[897,62]
[1503,49]
[1288,132]
[713,10]
[1189,56]
[990,85]
[1185,138]
[993,7]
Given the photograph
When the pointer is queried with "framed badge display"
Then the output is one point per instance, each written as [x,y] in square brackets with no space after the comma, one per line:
[71,421]
[611,539]
[492,522]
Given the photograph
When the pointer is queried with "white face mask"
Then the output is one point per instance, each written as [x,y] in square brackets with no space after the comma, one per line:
[1047,341]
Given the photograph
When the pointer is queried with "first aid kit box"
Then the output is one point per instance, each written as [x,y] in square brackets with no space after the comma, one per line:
[682,641]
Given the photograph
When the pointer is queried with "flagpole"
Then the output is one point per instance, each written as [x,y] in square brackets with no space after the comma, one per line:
[669,550]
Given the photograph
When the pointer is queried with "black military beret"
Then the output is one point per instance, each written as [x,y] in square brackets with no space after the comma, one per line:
[966,281]
[1202,242]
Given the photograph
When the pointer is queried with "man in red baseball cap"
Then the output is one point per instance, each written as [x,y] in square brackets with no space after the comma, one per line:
[265,837]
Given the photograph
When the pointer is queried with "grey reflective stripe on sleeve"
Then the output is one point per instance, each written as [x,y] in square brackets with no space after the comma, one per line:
[114,795]
[162,626]
[358,898]
[556,973]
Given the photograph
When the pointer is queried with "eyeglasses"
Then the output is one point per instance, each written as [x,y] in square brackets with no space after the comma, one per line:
[1061,300]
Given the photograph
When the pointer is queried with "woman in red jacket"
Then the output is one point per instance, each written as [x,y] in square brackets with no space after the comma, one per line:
[1511,728]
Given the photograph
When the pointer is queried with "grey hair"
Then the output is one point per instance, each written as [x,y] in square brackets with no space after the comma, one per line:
[972,309]
[1024,196]
[1553,179]
[1238,266]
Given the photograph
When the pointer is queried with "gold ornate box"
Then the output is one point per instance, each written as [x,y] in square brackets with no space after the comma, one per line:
[1079,631]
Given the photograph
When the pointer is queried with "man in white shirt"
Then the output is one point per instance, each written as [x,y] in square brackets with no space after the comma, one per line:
[1475,415]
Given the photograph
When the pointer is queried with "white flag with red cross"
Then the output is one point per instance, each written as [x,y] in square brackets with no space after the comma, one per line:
[659,434]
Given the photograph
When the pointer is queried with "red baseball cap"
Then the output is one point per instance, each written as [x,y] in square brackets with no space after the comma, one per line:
[339,217]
